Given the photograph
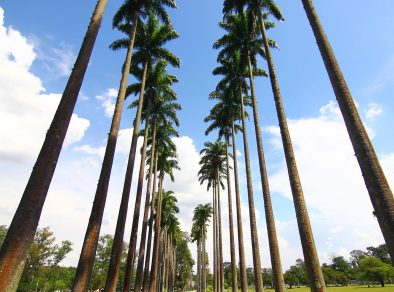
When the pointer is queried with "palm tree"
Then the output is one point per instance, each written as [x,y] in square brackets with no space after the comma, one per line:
[24,224]
[166,163]
[239,57]
[213,171]
[378,188]
[164,132]
[241,34]
[161,108]
[202,214]
[234,77]
[310,253]
[86,259]
[169,224]
[220,118]
[149,41]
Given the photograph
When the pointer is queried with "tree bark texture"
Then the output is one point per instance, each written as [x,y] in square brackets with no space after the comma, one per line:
[24,224]
[312,264]
[378,188]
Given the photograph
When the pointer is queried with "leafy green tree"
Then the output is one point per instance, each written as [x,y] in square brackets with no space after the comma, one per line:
[329,274]
[291,278]
[381,252]
[101,262]
[296,275]
[184,263]
[250,276]
[267,277]
[374,270]
[343,269]
[42,261]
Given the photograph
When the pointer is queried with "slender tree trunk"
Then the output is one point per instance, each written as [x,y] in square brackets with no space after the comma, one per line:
[113,270]
[136,216]
[20,235]
[221,270]
[141,254]
[198,266]
[234,283]
[308,245]
[252,216]
[155,254]
[86,259]
[279,283]
[204,265]
[241,250]
[215,275]
[145,285]
[378,188]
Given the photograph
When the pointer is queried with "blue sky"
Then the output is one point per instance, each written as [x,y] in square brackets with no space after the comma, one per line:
[43,39]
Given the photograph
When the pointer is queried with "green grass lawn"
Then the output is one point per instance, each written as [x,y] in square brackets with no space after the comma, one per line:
[388,288]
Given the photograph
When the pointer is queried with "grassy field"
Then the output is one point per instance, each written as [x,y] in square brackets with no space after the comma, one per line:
[388,288]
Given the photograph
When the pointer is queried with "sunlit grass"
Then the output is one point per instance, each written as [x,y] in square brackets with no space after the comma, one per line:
[364,288]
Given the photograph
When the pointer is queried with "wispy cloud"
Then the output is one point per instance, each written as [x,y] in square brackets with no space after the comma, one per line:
[383,80]
[373,111]
[108,101]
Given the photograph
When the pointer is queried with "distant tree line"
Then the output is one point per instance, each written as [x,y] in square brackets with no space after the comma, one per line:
[370,267]
[42,271]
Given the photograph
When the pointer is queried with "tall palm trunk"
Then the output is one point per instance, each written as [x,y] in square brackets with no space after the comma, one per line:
[20,235]
[137,206]
[234,283]
[156,243]
[204,264]
[215,262]
[145,284]
[252,216]
[241,250]
[198,266]
[221,270]
[141,254]
[378,188]
[312,264]
[89,247]
[113,269]
[201,265]
[279,283]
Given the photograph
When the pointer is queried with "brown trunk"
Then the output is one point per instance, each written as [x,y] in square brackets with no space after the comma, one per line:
[156,244]
[23,227]
[215,275]
[204,265]
[378,188]
[136,216]
[113,270]
[198,266]
[312,264]
[258,279]
[145,285]
[241,250]
[221,271]
[234,283]
[141,254]
[86,259]
[279,283]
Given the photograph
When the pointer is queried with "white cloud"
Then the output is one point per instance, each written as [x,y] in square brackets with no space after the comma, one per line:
[373,111]
[333,186]
[23,103]
[108,101]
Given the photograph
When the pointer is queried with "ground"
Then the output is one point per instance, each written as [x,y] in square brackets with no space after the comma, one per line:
[388,288]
